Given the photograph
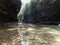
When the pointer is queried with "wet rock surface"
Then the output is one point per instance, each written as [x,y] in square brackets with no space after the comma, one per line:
[9,34]
[39,35]
[33,35]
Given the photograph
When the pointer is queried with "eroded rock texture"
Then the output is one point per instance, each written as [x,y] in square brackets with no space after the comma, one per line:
[9,10]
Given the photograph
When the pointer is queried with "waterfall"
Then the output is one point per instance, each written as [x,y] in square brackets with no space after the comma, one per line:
[38,10]
[20,17]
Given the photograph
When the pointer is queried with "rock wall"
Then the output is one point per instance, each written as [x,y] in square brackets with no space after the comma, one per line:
[9,10]
[37,11]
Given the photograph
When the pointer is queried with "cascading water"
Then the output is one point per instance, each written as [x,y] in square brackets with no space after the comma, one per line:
[20,22]
[33,34]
